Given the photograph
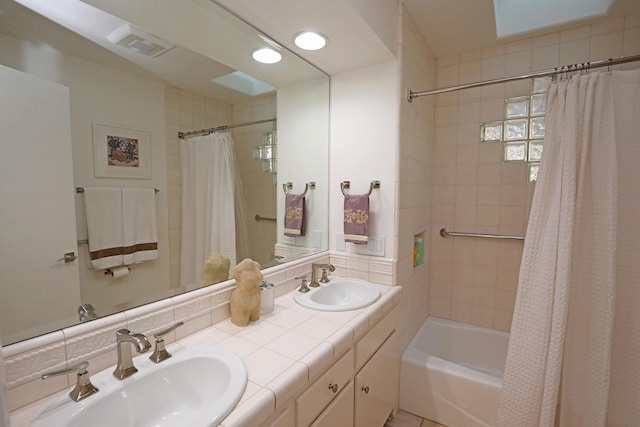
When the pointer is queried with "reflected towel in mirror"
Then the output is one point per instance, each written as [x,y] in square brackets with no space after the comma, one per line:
[104,226]
[140,231]
[294,215]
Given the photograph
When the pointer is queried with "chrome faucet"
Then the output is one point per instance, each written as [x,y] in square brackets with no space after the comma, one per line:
[303,286]
[83,387]
[324,279]
[160,353]
[124,337]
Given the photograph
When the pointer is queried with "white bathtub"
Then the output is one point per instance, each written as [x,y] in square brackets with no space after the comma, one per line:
[451,373]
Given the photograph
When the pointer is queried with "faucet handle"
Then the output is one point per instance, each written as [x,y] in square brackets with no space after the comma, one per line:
[160,353]
[83,387]
[303,286]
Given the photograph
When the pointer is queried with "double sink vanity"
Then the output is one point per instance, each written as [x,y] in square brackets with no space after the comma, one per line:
[325,357]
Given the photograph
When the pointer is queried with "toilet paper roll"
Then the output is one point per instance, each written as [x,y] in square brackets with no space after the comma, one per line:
[120,272]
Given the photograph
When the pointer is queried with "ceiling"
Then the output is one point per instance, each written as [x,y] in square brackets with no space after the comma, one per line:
[449,26]
[360,32]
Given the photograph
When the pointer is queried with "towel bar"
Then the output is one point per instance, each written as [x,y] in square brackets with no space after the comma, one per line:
[286,186]
[81,190]
[262,218]
[347,184]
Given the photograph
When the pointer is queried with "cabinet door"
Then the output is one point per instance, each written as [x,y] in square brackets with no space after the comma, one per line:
[376,386]
[339,412]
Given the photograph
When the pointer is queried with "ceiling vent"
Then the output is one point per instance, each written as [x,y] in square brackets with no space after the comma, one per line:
[139,40]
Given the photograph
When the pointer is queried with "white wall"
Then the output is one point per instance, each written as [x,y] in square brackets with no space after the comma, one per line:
[364,138]
[302,154]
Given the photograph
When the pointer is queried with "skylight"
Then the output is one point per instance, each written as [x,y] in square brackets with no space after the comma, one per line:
[244,83]
[521,16]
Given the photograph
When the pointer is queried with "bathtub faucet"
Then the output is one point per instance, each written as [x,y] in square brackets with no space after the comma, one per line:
[324,279]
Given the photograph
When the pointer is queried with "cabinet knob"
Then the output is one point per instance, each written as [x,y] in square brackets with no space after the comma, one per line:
[365,389]
[333,387]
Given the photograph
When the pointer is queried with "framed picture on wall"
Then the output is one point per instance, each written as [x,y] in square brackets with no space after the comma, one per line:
[120,152]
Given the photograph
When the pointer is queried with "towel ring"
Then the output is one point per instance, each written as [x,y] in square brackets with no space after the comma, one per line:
[286,186]
[347,184]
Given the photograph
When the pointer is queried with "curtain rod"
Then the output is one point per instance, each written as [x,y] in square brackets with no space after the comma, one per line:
[543,73]
[181,135]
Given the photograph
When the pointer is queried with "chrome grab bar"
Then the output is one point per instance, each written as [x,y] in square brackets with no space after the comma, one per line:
[444,232]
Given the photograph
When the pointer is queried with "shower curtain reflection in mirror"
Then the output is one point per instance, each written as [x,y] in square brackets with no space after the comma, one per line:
[212,204]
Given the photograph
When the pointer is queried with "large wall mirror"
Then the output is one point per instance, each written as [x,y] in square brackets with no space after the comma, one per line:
[74,71]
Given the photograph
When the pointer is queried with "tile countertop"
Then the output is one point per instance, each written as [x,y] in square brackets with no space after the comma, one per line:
[284,351]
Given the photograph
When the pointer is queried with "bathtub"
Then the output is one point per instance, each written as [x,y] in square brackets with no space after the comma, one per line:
[451,373]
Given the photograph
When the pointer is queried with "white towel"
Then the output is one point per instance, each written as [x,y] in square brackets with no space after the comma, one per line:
[104,226]
[140,229]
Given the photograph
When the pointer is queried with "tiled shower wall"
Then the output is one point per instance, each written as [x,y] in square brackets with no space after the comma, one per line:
[474,280]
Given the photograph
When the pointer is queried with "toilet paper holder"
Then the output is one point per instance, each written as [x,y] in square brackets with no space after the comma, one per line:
[109,272]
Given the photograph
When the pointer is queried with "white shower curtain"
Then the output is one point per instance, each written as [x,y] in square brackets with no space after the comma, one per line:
[574,351]
[212,204]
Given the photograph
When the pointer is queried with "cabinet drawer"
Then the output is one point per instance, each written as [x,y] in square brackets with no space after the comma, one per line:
[339,412]
[374,339]
[313,401]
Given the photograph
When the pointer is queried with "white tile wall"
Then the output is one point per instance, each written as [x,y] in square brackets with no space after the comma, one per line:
[414,163]
[475,281]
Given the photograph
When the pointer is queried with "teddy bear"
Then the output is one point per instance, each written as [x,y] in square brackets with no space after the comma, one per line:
[215,269]
[245,298]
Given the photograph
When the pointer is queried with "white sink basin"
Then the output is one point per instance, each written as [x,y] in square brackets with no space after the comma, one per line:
[339,295]
[198,386]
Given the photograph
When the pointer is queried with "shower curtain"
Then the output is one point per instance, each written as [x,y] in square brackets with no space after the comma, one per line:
[212,204]
[574,351]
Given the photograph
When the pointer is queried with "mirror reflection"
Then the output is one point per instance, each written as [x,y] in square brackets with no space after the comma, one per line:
[96,94]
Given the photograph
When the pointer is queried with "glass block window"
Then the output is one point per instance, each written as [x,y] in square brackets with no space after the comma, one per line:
[515,129]
[491,131]
[533,171]
[523,128]
[535,150]
[515,151]
[517,107]
[540,84]
[537,128]
[538,104]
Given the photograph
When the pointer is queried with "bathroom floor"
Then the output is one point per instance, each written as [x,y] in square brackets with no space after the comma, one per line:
[405,419]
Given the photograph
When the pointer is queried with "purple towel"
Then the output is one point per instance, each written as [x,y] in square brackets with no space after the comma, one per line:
[356,219]
[294,222]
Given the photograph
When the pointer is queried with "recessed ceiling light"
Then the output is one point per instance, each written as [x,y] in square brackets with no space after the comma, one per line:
[310,40]
[266,55]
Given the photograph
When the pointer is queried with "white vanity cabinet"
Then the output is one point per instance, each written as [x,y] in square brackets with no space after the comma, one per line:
[360,389]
